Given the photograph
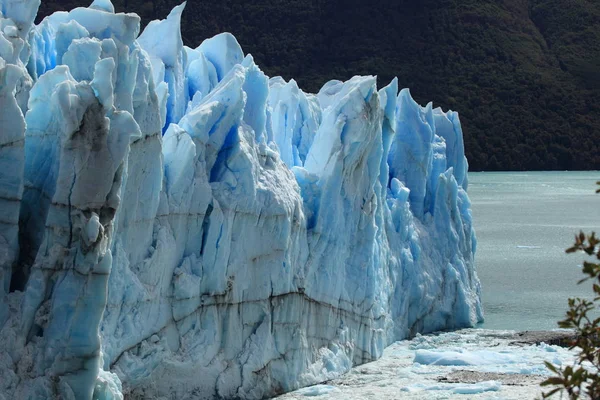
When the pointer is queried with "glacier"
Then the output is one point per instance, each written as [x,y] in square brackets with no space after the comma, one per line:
[176,224]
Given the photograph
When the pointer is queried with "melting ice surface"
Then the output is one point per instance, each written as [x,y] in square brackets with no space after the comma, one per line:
[175,224]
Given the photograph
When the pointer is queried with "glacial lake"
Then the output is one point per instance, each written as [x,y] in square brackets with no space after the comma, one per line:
[524,221]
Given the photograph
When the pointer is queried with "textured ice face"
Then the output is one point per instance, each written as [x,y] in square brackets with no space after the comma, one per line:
[176,224]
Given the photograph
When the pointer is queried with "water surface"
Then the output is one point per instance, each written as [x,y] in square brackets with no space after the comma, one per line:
[524,222]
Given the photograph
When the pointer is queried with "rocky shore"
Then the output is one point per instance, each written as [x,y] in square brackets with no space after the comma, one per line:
[562,338]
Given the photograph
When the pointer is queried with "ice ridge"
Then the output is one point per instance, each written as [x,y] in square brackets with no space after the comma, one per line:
[175,224]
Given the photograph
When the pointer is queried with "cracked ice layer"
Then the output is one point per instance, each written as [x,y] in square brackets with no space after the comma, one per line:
[176,224]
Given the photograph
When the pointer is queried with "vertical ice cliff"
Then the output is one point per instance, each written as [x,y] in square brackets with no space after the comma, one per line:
[175,224]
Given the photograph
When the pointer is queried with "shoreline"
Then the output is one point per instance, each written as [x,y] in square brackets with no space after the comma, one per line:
[562,338]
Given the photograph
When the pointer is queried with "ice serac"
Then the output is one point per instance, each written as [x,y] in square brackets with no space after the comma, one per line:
[175,224]
[162,40]
[16,20]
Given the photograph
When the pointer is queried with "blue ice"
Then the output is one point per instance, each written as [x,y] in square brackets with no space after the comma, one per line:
[175,223]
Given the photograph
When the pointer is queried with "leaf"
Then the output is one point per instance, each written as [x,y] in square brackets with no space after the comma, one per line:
[551,366]
[577,376]
[552,381]
[571,250]
[550,393]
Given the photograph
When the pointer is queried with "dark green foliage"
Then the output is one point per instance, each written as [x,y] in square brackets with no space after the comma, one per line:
[524,74]
[583,379]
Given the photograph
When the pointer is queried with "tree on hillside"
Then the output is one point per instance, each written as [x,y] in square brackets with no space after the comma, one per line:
[522,73]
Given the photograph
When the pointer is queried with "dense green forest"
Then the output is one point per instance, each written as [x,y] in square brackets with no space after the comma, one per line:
[523,74]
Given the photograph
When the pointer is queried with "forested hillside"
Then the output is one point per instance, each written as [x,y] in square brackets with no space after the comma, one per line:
[524,74]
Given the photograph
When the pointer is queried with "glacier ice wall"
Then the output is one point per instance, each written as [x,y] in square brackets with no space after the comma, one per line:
[175,224]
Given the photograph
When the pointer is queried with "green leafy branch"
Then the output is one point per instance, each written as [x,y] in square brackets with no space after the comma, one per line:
[583,378]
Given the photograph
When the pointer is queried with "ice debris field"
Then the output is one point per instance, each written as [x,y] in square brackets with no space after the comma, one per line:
[175,224]
[467,364]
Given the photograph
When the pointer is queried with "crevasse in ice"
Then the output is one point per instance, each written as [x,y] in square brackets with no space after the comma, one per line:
[175,224]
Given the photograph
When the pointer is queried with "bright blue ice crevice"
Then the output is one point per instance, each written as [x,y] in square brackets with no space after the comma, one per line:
[295,119]
[179,225]
[257,93]
[411,155]
[448,127]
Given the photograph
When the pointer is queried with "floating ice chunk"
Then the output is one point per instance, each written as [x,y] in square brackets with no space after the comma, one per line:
[475,388]
[482,357]
[461,388]
[318,390]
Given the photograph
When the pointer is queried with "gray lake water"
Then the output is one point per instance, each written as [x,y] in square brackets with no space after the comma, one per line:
[524,222]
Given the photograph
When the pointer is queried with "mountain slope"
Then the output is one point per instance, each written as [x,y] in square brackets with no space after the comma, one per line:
[524,74]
